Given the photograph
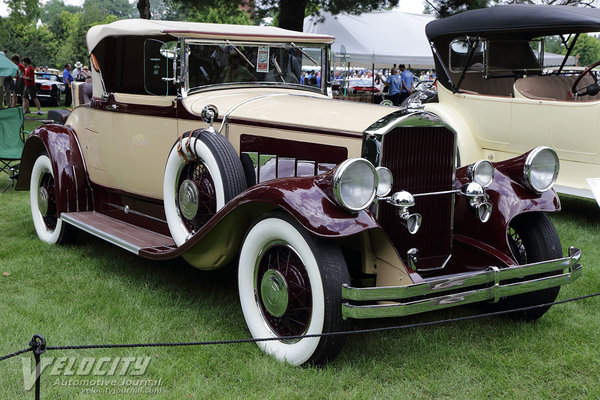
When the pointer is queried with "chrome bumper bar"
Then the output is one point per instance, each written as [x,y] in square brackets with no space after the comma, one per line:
[485,286]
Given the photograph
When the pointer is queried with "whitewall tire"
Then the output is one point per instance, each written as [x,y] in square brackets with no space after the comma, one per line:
[290,284]
[42,198]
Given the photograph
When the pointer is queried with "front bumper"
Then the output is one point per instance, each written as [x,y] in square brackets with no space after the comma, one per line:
[480,286]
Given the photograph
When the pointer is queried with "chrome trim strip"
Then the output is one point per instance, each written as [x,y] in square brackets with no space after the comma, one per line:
[493,276]
[101,234]
[130,211]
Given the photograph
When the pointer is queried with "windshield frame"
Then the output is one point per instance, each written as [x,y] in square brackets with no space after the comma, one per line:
[184,79]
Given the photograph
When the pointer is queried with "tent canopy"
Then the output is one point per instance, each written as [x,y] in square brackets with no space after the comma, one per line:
[7,67]
[383,38]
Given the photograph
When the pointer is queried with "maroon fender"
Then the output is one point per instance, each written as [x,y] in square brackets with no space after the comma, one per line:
[509,198]
[304,198]
[71,182]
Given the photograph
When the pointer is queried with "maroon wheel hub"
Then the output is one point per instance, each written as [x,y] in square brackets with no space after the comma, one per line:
[283,291]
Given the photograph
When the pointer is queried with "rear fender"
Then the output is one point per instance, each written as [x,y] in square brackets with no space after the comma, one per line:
[60,143]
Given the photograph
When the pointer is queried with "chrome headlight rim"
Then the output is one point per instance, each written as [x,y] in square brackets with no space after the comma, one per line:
[473,172]
[383,172]
[337,180]
[527,167]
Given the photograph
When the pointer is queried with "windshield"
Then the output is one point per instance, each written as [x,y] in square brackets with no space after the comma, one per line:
[229,63]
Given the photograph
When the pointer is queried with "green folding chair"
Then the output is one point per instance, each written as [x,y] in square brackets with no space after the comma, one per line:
[11,142]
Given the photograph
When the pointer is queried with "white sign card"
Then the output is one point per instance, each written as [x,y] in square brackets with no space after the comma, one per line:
[262,60]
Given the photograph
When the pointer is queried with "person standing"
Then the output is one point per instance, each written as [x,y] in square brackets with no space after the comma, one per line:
[407,83]
[19,82]
[68,81]
[30,91]
[394,83]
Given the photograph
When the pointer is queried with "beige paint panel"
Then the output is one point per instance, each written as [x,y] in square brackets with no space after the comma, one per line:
[139,148]
[290,108]
[489,116]
[141,99]
[92,127]
[234,132]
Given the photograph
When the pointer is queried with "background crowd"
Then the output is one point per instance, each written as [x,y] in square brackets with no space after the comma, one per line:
[21,88]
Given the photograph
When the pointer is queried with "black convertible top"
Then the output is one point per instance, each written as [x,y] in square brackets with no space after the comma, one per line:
[526,20]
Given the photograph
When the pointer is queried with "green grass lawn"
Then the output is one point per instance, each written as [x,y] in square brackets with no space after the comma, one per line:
[92,292]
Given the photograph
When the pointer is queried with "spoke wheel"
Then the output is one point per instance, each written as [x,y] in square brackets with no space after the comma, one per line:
[532,238]
[203,173]
[290,284]
[44,211]
[283,291]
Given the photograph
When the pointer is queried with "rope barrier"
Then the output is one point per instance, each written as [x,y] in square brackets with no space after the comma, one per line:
[38,343]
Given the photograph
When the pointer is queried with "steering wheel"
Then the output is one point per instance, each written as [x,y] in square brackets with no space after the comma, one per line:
[590,89]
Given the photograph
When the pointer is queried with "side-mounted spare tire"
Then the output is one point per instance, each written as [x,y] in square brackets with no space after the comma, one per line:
[202,174]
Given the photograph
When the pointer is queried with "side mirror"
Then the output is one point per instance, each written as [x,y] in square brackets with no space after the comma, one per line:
[208,114]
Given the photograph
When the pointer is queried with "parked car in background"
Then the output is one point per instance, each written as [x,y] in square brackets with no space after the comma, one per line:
[207,147]
[494,92]
[49,88]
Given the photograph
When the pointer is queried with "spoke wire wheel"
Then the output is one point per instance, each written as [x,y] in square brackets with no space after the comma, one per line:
[194,191]
[283,290]
[196,197]
[532,238]
[290,284]
[42,196]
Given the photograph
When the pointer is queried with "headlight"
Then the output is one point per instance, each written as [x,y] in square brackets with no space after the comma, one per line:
[355,184]
[481,172]
[541,169]
[385,180]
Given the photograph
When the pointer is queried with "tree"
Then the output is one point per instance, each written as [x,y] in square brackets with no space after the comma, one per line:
[587,50]
[143,7]
[446,8]
[290,13]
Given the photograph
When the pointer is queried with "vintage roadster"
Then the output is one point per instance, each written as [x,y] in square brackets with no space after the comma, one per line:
[200,143]
[494,91]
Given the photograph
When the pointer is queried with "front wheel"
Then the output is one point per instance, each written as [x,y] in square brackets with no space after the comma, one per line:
[42,197]
[290,284]
[532,238]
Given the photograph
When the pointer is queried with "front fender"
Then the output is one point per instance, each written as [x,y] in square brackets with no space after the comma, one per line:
[60,143]
[304,198]
[509,199]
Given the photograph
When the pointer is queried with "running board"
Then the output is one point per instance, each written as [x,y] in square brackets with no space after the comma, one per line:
[127,236]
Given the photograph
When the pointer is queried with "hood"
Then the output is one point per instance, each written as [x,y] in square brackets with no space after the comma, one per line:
[289,107]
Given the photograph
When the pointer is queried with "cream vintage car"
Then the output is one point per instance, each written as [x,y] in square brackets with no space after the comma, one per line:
[200,142]
[493,89]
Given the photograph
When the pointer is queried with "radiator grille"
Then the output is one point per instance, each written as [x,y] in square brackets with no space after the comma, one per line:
[421,160]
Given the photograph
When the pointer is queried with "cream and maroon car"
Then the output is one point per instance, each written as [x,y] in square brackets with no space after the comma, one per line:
[495,93]
[201,143]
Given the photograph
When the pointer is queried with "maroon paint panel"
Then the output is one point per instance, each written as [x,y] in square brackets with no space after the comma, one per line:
[508,199]
[71,180]
[320,153]
[303,198]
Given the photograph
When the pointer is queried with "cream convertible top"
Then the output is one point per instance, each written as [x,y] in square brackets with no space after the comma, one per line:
[144,27]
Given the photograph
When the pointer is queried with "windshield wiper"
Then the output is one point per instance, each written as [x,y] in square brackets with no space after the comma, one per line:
[240,53]
[303,52]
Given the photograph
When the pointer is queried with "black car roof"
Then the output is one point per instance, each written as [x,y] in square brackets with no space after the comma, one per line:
[520,19]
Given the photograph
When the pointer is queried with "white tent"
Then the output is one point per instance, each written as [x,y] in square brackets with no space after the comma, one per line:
[382,38]
[385,38]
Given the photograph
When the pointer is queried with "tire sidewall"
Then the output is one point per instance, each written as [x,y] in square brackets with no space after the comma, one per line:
[42,166]
[259,236]
[175,164]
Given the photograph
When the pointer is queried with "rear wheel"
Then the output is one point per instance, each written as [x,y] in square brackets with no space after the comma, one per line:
[290,284]
[44,212]
[532,238]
